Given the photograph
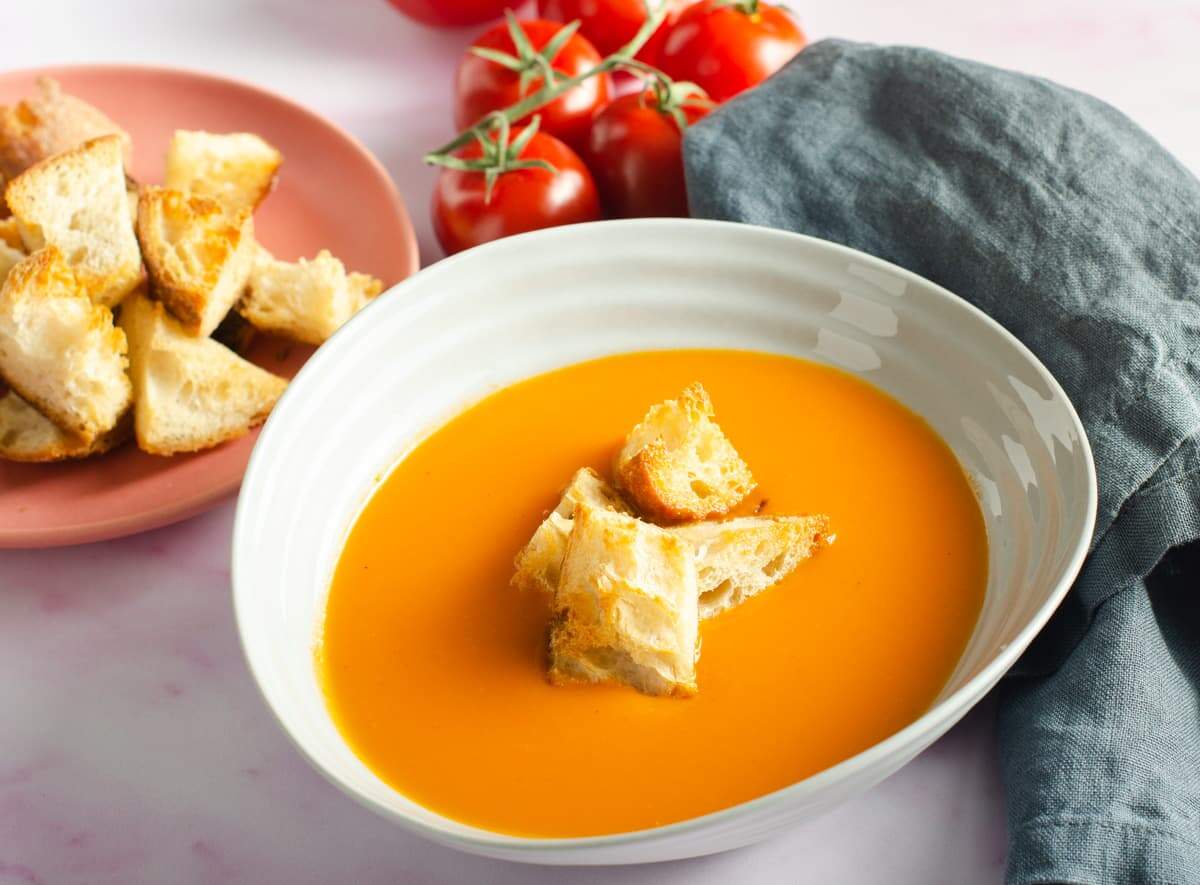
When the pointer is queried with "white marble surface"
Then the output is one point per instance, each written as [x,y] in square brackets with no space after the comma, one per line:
[133,747]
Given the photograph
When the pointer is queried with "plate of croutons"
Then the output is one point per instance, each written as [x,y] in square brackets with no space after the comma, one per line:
[173,246]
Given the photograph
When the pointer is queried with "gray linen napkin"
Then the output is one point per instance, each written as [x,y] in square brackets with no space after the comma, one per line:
[1062,219]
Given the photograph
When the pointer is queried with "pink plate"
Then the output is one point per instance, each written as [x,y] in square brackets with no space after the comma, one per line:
[332,193]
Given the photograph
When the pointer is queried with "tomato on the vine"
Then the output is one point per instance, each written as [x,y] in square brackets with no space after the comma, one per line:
[452,13]
[635,153]
[511,190]
[510,61]
[610,24]
[727,46]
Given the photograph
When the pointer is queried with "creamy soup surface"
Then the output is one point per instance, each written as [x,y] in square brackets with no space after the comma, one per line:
[434,668]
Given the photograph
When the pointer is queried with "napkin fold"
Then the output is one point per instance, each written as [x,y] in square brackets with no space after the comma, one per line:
[1070,225]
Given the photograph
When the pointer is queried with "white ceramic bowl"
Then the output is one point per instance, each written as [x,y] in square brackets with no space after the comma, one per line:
[490,316]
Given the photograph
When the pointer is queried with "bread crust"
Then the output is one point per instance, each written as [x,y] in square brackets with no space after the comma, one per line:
[198,257]
[36,194]
[664,476]
[43,276]
[626,607]
[540,561]
[19,420]
[48,123]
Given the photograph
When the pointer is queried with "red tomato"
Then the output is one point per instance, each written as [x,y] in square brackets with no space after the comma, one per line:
[609,24]
[521,199]
[634,153]
[484,85]
[729,47]
[452,13]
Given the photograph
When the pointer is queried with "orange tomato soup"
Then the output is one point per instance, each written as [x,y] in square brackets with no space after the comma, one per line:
[434,668]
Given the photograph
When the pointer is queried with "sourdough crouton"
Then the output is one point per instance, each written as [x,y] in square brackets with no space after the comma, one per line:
[740,558]
[237,170]
[625,610]
[49,123]
[306,300]
[540,561]
[677,465]
[58,350]
[198,258]
[28,435]
[191,393]
[77,202]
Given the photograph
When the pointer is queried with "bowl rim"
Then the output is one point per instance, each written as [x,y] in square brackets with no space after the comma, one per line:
[943,713]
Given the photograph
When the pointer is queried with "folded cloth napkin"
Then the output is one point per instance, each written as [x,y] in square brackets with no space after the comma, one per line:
[1062,219]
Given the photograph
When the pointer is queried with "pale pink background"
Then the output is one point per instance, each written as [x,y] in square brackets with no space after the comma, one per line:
[133,747]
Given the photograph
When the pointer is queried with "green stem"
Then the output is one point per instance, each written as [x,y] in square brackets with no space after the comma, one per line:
[551,91]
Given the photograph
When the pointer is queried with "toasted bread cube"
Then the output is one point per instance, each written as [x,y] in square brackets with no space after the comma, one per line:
[49,123]
[625,610]
[237,170]
[198,258]
[306,300]
[76,201]
[191,393]
[28,435]
[739,558]
[59,351]
[540,561]
[677,465]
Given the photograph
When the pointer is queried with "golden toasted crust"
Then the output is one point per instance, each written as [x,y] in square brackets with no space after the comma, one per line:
[195,255]
[677,465]
[625,610]
[540,561]
[28,436]
[237,169]
[76,200]
[49,123]
[40,280]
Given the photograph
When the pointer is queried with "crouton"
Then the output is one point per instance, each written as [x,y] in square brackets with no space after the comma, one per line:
[625,610]
[77,202]
[677,465]
[306,300]
[191,393]
[59,351]
[197,257]
[49,123]
[132,194]
[539,562]
[237,170]
[28,435]
[739,558]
